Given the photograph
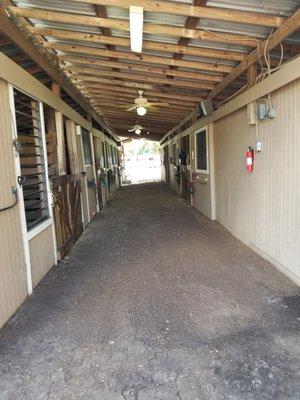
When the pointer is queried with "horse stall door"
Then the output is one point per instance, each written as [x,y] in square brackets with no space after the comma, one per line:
[82,172]
[185,170]
[166,162]
[89,169]
[67,212]
[99,173]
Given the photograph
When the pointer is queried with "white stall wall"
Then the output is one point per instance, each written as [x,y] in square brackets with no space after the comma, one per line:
[13,286]
[42,257]
[262,208]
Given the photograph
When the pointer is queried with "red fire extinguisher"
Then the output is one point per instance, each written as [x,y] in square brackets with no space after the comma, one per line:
[250,159]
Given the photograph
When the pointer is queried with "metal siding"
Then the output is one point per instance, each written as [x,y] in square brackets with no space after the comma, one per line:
[277,7]
[262,208]
[271,7]
[13,288]
[41,255]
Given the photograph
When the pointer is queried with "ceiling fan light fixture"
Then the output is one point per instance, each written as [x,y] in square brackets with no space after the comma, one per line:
[141,111]
[136,20]
[138,131]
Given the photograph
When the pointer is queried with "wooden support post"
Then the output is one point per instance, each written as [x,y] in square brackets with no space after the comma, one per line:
[251,75]
[72,146]
[56,89]
[51,138]
[59,122]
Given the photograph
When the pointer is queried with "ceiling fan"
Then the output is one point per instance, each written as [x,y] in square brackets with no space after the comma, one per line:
[137,128]
[141,104]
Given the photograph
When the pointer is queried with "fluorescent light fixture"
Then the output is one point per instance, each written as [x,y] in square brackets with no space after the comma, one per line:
[136,28]
[141,111]
[138,131]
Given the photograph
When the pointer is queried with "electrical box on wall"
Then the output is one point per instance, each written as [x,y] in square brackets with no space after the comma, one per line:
[265,111]
[207,106]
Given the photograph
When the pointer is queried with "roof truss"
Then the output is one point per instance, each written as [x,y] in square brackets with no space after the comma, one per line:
[180,64]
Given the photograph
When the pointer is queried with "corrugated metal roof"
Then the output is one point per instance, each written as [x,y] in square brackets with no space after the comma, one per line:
[276,7]
[58,5]
[273,7]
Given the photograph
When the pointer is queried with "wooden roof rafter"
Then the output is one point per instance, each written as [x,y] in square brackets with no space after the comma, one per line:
[68,34]
[182,9]
[104,69]
[10,30]
[120,24]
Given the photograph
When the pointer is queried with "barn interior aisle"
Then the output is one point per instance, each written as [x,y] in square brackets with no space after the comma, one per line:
[154,301]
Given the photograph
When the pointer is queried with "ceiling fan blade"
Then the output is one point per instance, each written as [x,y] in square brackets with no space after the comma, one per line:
[131,130]
[124,106]
[158,104]
[151,107]
[132,108]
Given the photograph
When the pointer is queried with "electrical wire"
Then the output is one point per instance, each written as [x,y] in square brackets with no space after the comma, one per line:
[233,95]
[15,192]
[220,36]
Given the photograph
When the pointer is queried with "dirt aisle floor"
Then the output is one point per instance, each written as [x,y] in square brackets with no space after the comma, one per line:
[155,302]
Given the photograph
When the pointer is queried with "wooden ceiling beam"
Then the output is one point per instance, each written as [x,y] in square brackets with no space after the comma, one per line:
[178,8]
[152,116]
[155,129]
[151,135]
[121,24]
[9,30]
[170,91]
[163,126]
[117,87]
[155,138]
[112,106]
[128,100]
[145,124]
[147,44]
[81,79]
[84,62]
[139,58]
[290,25]
[190,23]
[131,96]
[4,42]
[126,103]
[79,72]
[101,13]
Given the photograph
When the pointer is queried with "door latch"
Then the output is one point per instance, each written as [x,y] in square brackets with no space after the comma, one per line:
[21,180]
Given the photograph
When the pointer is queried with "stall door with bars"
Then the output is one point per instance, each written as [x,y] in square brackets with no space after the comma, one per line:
[185,171]
[99,170]
[167,163]
[89,169]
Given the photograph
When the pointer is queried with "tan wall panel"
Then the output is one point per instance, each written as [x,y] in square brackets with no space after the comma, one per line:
[13,287]
[41,255]
[262,208]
